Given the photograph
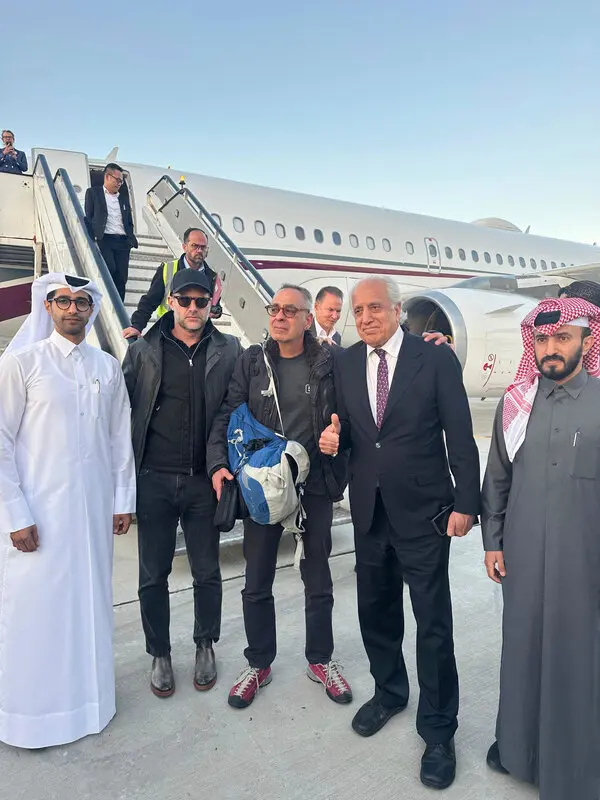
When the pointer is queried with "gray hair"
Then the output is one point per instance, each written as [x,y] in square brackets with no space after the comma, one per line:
[304,292]
[392,288]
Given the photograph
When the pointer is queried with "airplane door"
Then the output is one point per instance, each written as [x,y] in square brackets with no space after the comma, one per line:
[434,262]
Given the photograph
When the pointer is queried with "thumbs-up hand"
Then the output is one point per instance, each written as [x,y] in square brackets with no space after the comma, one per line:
[329,442]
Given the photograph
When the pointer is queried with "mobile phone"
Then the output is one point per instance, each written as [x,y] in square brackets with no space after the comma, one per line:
[440,521]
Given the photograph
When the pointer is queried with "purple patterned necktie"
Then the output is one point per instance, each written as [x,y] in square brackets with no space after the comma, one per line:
[382,385]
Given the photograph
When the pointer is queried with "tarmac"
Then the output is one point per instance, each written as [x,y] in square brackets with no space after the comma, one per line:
[292,743]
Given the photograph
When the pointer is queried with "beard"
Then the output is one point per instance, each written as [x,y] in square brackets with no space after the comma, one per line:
[559,368]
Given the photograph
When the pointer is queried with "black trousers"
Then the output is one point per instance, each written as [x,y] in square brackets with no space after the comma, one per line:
[261,543]
[384,562]
[162,499]
[115,251]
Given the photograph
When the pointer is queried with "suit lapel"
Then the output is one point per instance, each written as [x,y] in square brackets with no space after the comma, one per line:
[408,365]
[360,385]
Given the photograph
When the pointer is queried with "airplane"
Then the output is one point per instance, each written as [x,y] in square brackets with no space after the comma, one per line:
[474,281]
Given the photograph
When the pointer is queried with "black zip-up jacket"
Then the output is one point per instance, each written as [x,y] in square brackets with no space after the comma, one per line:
[250,379]
[143,370]
[149,302]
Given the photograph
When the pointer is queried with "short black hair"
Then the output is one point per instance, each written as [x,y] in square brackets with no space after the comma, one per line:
[113,166]
[329,290]
[50,295]
[585,290]
[186,235]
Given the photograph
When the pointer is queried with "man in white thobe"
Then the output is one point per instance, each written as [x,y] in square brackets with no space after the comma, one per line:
[67,484]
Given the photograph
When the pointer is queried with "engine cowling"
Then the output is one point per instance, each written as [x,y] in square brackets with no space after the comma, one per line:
[485,328]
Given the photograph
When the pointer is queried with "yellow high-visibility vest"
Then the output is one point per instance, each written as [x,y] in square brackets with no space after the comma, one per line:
[169,269]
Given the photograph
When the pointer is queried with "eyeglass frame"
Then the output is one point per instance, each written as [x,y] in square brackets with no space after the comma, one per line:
[120,181]
[289,311]
[72,301]
[196,301]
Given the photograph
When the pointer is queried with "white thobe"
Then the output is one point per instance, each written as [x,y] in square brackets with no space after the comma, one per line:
[66,465]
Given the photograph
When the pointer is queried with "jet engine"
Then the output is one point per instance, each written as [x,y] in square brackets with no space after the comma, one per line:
[485,328]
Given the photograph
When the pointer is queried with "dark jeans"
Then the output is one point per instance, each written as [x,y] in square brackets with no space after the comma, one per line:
[384,561]
[162,499]
[261,543]
[115,251]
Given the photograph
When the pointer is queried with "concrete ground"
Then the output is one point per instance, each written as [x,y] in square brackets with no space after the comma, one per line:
[293,742]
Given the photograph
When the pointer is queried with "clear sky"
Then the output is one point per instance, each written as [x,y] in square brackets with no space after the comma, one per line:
[455,108]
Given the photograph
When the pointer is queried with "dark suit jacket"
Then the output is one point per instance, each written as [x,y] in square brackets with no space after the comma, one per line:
[96,214]
[407,458]
[337,337]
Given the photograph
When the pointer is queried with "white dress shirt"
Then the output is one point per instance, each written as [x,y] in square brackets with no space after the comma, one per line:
[114,220]
[392,349]
[322,334]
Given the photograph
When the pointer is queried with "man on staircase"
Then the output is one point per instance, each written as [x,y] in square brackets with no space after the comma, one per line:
[195,249]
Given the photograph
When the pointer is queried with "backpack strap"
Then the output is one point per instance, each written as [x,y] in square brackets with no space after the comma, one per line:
[271,389]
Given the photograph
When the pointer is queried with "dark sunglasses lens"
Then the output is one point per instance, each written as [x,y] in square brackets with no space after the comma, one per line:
[201,302]
[184,302]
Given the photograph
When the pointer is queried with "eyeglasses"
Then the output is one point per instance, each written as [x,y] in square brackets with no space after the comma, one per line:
[64,303]
[288,311]
[186,302]
[114,177]
[193,246]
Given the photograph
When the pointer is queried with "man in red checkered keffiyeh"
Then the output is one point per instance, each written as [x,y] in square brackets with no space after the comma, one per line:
[550,315]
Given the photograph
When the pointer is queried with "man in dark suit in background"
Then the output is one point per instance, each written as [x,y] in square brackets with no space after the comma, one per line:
[397,397]
[109,221]
[328,310]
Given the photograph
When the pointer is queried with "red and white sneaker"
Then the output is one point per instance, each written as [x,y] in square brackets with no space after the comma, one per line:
[330,676]
[245,689]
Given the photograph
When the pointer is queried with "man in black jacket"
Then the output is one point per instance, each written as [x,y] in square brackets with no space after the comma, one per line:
[195,250]
[109,221]
[398,397]
[303,371]
[177,377]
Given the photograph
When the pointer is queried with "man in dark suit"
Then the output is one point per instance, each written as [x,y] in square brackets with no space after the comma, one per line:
[109,221]
[397,397]
[328,309]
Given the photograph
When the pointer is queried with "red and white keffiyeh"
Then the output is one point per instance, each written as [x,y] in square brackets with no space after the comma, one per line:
[519,397]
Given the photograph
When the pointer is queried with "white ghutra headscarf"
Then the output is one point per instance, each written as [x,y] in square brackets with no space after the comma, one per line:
[38,324]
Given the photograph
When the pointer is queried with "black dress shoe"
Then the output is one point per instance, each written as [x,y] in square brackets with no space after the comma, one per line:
[438,765]
[371,717]
[205,673]
[162,680]
[493,760]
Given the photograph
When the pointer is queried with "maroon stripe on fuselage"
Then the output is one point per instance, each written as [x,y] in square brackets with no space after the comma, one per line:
[15,300]
[262,265]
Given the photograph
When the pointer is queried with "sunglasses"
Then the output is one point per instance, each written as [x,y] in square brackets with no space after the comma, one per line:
[186,302]
[62,302]
[288,311]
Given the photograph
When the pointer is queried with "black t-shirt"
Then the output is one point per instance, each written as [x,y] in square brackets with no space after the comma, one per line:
[293,390]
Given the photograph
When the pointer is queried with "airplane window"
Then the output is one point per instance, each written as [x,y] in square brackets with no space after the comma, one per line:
[319,236]
[387,245]
[475,255]
[433,251]
[448,251]
[217,219]
[553,264]
[533,263]
[461,254]
[488,258]
[511,261]
[337,239]
[409,248]
[499,259]
[543,264]
[259,227]
[238,224]
[370,242]
[353,240]
[300,233]
[562,264]
[280,230]
[522,261]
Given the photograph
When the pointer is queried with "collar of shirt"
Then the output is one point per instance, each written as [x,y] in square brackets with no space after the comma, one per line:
[392,346]
[321,333]
[65,346]
[186,264]
[110,194]
[573,386]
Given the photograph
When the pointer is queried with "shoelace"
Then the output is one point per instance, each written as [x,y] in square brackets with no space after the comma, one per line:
[334,677]
[245,679]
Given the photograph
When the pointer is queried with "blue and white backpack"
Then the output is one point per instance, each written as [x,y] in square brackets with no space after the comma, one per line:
[270,469]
